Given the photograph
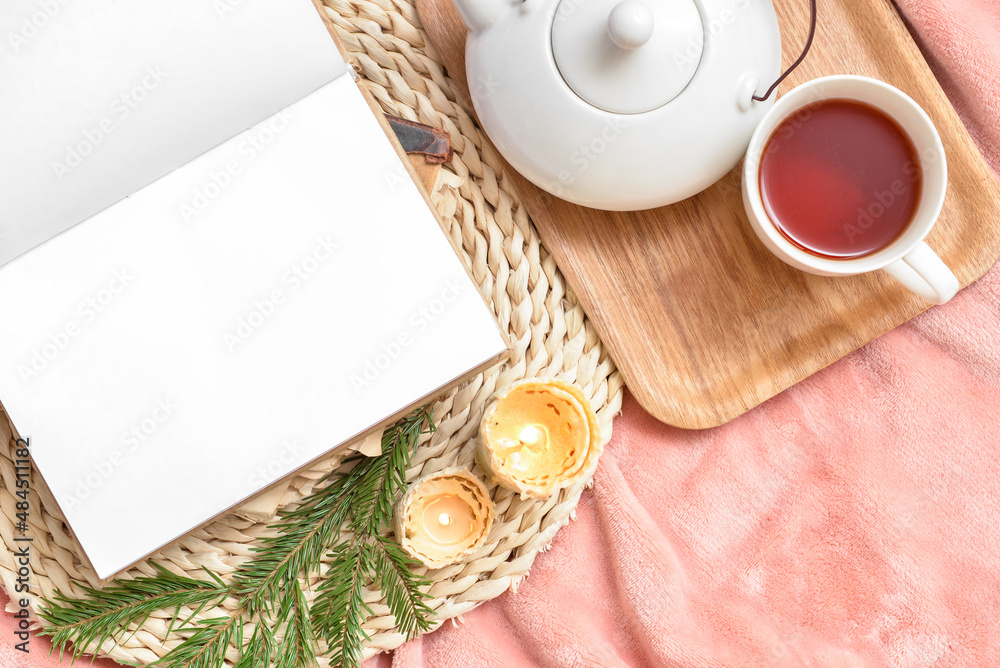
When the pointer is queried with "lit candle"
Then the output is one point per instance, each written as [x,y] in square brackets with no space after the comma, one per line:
[444,517]
[448,519]
[539,436]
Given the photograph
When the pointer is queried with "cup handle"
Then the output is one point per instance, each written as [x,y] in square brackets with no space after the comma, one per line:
[922,272]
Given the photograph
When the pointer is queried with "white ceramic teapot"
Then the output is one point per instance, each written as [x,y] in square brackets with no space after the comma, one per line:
[621,104]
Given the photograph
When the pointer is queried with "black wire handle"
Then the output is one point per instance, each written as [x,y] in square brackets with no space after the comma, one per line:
[805,52]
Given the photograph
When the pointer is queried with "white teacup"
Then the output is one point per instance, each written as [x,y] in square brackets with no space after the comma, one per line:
[908,259]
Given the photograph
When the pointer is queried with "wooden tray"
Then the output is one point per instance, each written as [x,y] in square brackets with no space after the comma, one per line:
[702,321]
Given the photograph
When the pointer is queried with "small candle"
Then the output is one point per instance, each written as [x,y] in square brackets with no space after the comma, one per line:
[444,517]
[448,519]
[539,436]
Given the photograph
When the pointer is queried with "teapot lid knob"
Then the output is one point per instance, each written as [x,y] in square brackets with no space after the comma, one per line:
[630,24]
[630,56]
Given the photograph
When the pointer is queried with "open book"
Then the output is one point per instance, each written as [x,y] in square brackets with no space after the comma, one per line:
[213,267]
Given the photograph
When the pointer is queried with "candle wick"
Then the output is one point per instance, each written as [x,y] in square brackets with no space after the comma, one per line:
[444,518]
[530,435]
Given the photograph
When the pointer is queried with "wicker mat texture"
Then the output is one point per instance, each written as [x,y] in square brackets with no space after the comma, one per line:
[549,334]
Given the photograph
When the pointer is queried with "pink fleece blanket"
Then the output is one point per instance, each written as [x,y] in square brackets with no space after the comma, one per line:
[852,521]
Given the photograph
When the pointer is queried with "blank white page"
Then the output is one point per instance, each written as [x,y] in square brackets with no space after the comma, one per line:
[99,98]
[230,323]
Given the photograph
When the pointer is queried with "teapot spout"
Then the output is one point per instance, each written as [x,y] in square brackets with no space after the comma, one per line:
[479,14]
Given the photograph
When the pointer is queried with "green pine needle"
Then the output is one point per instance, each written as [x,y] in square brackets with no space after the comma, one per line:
[298,647]
[384,477]
[107,614]
[343,592]
[303,538]
[404,591]
[206,647]
[371,557]
[260,650]
[342,525]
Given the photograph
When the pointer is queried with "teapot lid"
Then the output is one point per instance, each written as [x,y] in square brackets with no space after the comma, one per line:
[627,56]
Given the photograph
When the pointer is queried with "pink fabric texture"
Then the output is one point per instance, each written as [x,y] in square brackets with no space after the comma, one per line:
[851,521]
[37,655]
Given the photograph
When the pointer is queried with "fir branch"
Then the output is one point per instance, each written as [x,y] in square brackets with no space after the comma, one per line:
[370,556]
[298,647]
[385,477]
[342,523]
[260,649]
[402,588]
[303,538]
[106,614]
[206,647]
[365,495]
[340,610]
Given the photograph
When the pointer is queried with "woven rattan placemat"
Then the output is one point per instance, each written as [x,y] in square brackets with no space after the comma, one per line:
[549,333]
